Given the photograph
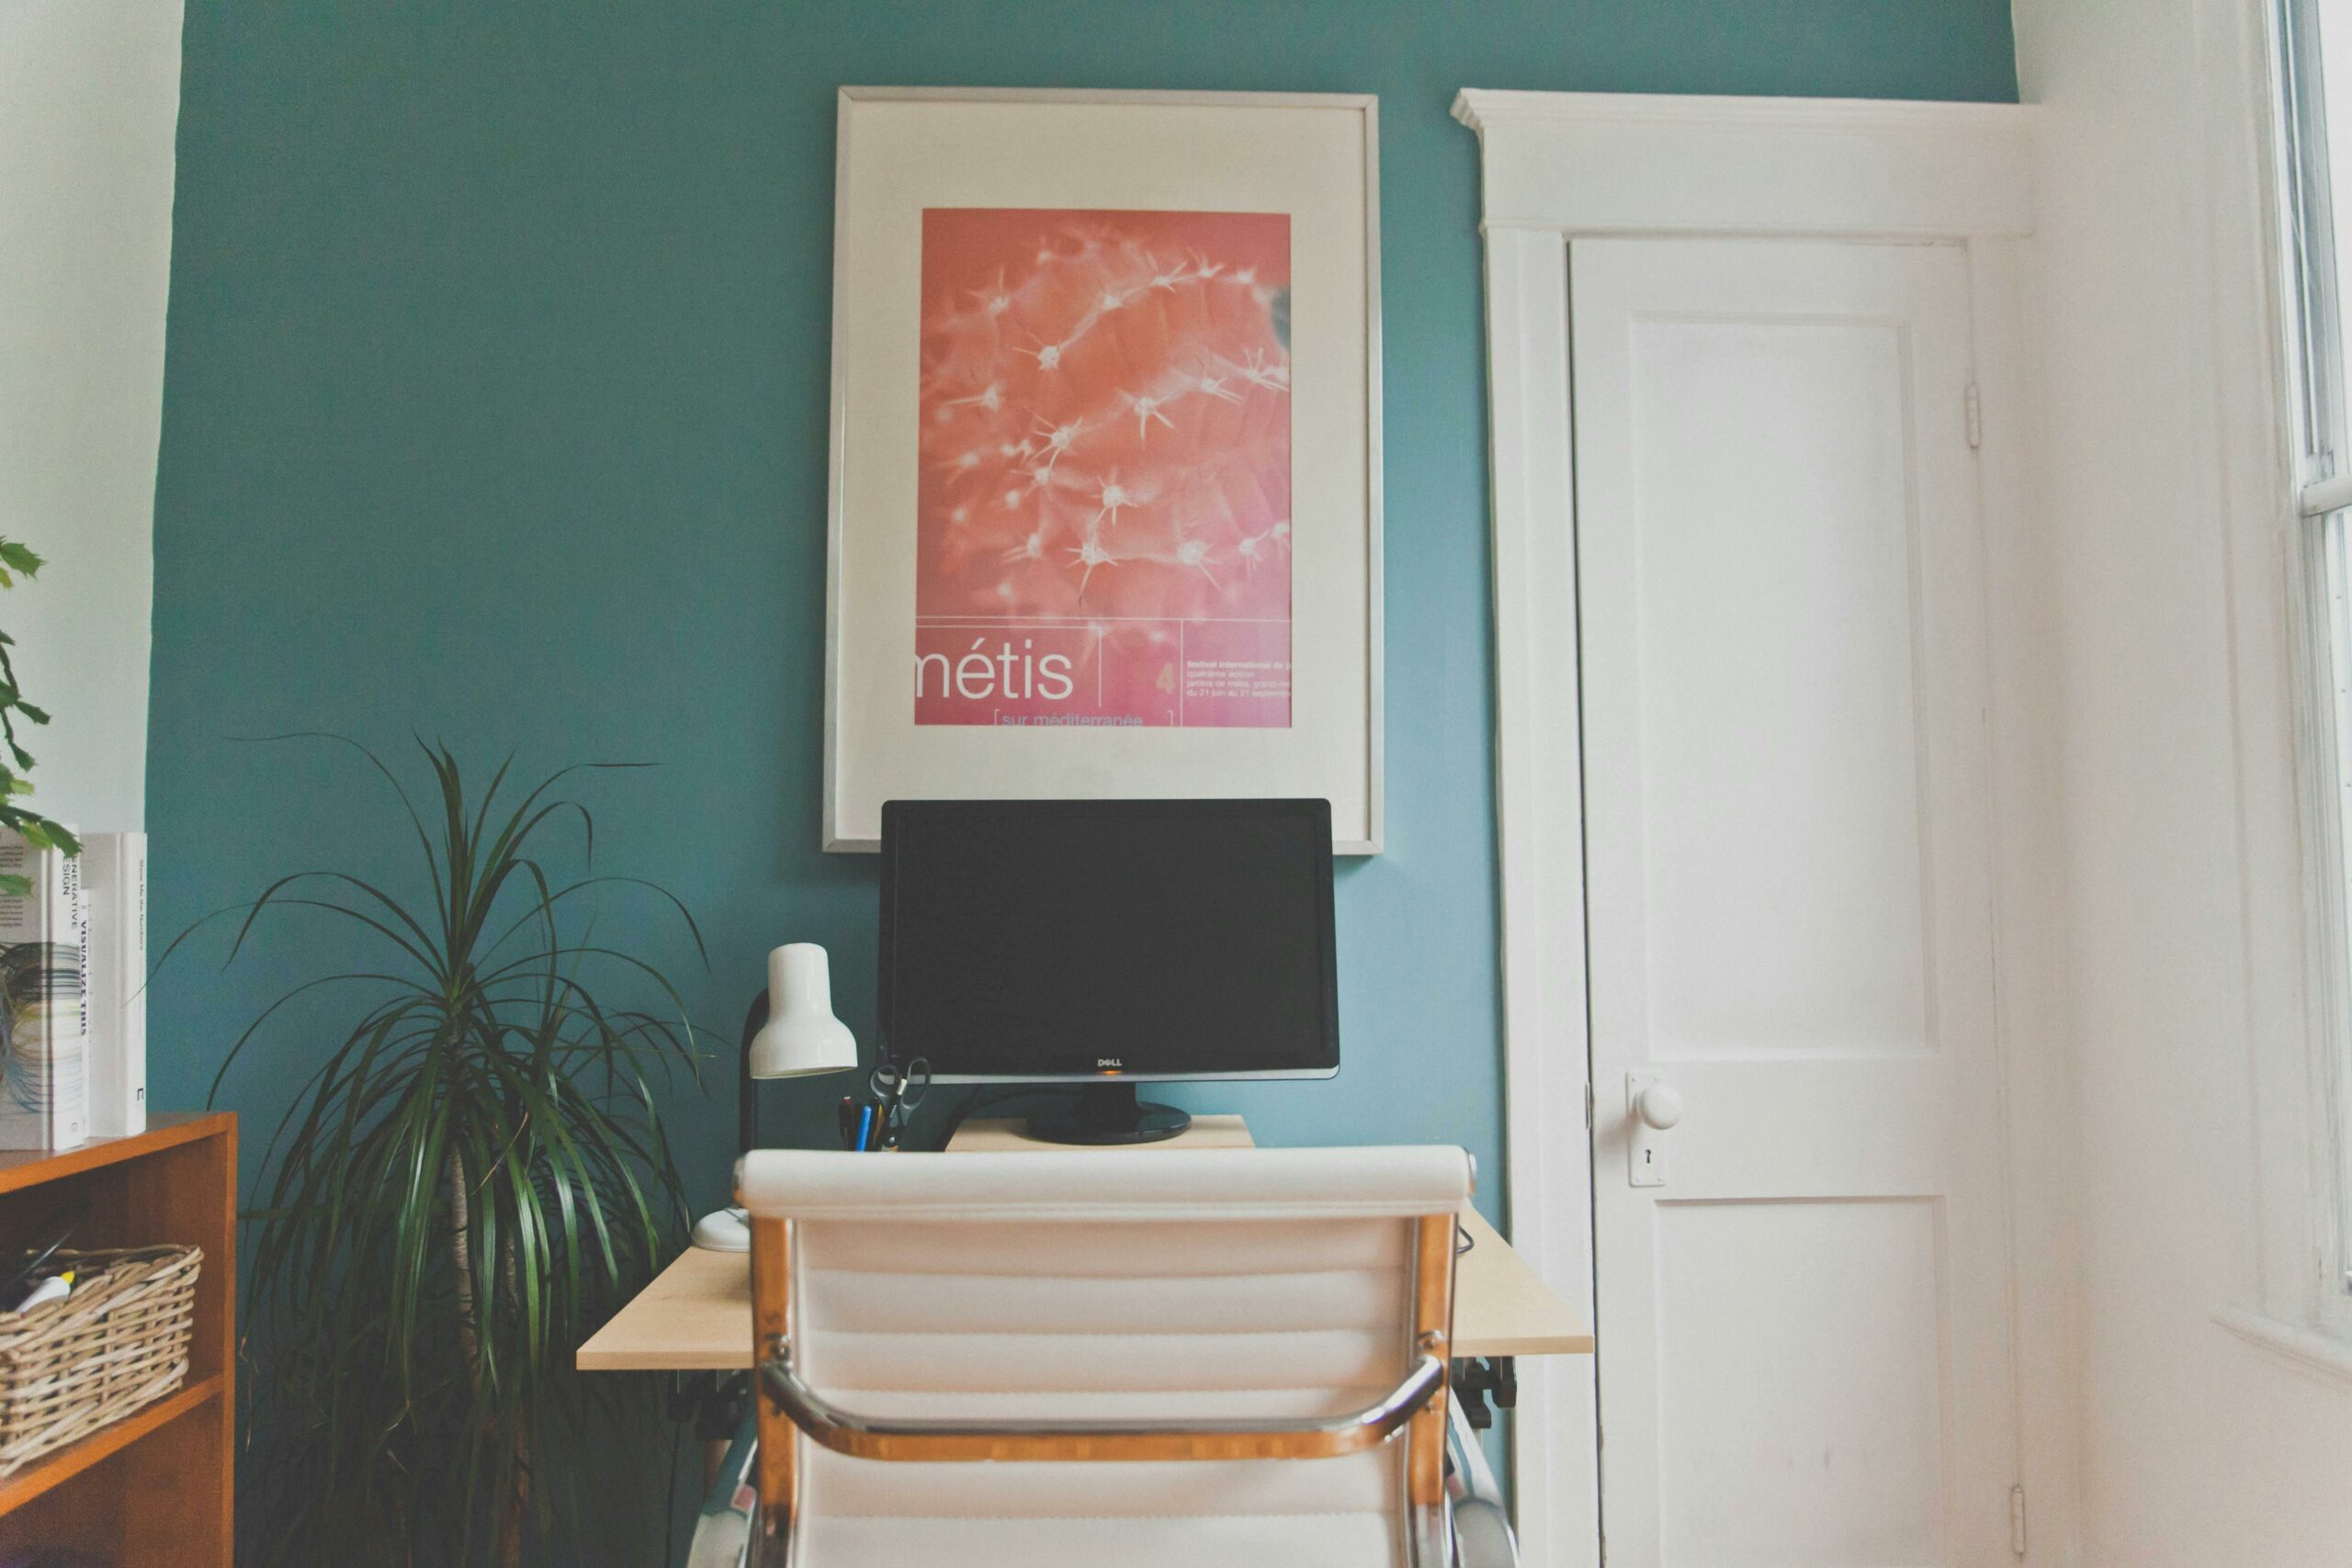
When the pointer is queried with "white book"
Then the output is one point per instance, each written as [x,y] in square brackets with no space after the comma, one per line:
[44,987]
[114,879]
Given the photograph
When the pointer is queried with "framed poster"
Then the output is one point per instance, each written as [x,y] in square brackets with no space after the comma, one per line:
[1105,466]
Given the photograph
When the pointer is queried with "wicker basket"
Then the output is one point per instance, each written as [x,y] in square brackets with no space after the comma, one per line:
[119,1342]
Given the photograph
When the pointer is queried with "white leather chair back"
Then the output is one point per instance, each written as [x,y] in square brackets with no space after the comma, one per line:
[1104,1284]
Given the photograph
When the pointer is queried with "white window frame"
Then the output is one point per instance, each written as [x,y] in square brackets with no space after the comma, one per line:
[2241,183]
[2315,1295]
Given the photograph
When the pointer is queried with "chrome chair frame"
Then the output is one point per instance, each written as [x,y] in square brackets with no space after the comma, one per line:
[871,1437]
[1475,1522]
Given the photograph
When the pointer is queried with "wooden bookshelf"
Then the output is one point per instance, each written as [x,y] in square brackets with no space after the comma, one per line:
[156,1487]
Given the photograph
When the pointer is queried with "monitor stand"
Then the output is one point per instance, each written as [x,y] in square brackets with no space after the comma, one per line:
[1109,1113]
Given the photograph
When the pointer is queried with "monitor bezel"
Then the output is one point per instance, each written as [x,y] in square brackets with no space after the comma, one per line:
[1317,810]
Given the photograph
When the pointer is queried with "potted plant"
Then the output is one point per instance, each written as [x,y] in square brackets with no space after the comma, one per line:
[473,1176]
[16,768]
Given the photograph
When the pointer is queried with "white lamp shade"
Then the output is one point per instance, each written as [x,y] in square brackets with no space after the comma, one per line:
[801,1034]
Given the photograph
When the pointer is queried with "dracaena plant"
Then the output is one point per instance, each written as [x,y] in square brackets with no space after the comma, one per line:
[16,560]
[472,1177]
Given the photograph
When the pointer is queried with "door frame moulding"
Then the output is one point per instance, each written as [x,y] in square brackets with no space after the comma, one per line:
[1557,166]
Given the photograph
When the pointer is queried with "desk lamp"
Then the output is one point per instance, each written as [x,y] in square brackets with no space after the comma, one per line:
[789,1032]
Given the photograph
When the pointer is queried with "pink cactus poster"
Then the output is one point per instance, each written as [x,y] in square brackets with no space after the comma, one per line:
[1103,508]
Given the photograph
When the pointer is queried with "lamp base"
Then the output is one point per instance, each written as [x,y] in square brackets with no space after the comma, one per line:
[724,1230]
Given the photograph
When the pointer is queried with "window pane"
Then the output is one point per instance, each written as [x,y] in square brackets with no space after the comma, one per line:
[2335,18]
[2315,68]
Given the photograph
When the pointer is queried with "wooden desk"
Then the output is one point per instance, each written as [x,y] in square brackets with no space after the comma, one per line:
[696,1316]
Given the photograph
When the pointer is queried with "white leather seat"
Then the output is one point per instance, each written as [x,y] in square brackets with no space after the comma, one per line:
[1171,1286]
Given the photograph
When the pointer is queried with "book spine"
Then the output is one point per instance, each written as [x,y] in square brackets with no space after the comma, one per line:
[44,1061]
[115,874]
[69,1054]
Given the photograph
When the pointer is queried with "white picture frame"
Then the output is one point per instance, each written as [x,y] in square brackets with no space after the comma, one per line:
[1314,157]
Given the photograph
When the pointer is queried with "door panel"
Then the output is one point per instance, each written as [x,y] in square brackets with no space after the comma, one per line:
[1775,716]
[1836,1459]
[1803,1325]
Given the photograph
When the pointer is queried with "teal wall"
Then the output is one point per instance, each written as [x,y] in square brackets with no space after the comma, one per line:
[494,410]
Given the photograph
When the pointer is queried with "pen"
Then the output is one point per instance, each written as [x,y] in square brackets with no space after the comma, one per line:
[845,1120]
[864,1129]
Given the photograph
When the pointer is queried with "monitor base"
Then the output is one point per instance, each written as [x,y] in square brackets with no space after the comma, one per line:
[1109,1113]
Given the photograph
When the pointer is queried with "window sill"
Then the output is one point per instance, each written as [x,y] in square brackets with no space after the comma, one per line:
[2306,1350]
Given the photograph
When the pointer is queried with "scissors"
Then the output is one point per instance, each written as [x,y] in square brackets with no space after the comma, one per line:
[899,1090]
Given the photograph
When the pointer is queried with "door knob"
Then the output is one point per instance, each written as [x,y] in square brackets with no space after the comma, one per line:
[1655,1106]
[1660,1106]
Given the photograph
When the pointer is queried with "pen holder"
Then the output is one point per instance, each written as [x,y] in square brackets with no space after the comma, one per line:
[120,1341]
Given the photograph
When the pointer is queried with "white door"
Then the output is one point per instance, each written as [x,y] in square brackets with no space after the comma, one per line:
[1801,1283]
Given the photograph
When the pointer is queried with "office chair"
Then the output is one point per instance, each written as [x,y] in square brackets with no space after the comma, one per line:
[1227,1358]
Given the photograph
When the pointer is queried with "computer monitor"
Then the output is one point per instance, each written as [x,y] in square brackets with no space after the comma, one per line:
[1108,942]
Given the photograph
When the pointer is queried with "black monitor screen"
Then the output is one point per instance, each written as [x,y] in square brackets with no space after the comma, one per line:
[1071,939]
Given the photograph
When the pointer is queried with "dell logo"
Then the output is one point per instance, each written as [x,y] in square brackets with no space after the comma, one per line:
[1108,1061]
